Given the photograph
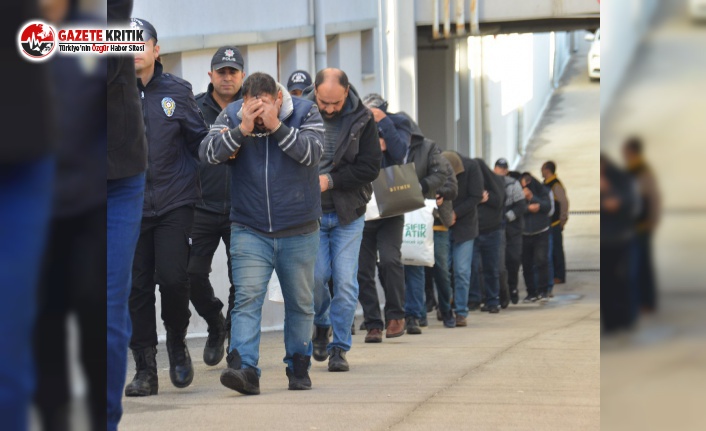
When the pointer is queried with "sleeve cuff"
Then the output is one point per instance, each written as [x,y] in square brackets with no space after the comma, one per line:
[282,132]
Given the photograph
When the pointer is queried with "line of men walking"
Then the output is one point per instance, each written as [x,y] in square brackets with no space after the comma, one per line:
[283,180]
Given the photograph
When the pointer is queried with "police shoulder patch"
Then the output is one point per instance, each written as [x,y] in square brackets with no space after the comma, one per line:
[168,105]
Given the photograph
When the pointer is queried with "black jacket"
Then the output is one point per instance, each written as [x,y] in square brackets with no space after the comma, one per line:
[356,162]
[28,129]
[470,193]
[173,138]
[215,179]
[127,146]
[79,183]
[490,212]
[432,172]
[535,223]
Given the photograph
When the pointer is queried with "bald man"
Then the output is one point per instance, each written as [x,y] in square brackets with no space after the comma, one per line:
[351,161]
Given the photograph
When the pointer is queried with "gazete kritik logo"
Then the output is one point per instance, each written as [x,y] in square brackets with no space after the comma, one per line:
[38,40]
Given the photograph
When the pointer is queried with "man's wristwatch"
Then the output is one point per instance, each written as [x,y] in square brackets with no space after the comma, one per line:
[330,181]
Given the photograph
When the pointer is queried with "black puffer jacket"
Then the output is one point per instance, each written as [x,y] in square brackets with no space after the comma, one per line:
[215,179]
[174,127]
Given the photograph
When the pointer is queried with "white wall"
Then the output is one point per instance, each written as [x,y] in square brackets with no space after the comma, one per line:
[623,23]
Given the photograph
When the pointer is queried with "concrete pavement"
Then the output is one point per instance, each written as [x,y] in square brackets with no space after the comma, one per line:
[530,367]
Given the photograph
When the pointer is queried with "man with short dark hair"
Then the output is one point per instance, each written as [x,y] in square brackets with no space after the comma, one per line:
[557,264]
[211,221]
[297,82]
[174,129]
[272,144]
[350,162]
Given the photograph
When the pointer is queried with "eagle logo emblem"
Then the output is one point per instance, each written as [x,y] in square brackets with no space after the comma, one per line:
[168,105]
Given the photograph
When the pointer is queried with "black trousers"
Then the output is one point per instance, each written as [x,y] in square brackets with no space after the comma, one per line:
[513,258]
[161,257]
[384,235]
[209,230]
[73,281]
[535,253]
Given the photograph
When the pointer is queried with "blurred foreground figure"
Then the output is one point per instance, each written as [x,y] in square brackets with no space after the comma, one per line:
[619,210]
[26,173]
[74,268]
[127,162]
[646,223]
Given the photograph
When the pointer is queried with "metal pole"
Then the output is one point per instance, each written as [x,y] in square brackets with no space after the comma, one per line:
[460,17]
[447,18]
[435,26]
[319,35]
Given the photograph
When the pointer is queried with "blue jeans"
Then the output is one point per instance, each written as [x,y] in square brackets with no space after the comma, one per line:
[414,301]
[339,248]
[486,252]
[462,261]
[442,278]
[25,193]
[125,198]
[253,258]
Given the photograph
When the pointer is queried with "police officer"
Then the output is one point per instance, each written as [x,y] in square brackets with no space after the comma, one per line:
[174,129]
[297,82]
[211,217]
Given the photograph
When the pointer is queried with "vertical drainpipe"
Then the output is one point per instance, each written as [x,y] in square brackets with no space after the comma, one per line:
[319,35]
[487,135]
[435,26]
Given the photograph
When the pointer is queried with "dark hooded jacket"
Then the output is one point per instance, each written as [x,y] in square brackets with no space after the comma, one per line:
[470,193]
[357,160]
[490,212]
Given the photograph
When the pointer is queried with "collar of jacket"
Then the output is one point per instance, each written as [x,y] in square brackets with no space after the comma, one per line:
[157,73]
[549,179]
[287,105]
[211,102]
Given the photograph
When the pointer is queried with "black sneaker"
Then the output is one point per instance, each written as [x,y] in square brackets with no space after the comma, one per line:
[320,341]
[214,351]
[473,306]
[337,360]
[530,299]
[243,380]
[543,298]
[423,322]
[299,379]
[485,308]
[494,309]
[412,325]
[514,296]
